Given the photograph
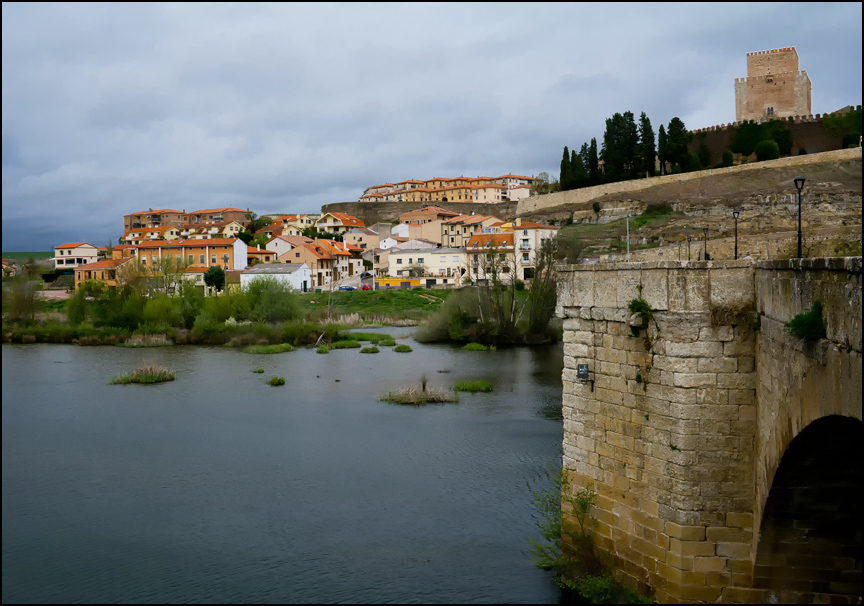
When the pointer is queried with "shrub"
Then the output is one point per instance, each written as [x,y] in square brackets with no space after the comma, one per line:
[402,348]
[388,342]
[276,381]
[258,370]
[323,349]
[370,350]
[809,326]
[596,207]
[728,158]
[767,150]
[164,310]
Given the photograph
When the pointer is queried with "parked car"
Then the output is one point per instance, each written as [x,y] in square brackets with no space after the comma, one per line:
[347,288]
[366,274]
[366,287]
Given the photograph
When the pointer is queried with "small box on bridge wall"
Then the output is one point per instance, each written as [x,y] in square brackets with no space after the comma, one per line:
[582,372]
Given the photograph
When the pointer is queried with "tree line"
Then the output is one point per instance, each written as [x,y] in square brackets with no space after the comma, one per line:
[628,151]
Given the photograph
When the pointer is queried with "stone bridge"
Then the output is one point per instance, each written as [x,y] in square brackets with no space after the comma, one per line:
[725,451]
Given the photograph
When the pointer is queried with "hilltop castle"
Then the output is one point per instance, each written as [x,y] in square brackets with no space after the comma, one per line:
[773,88]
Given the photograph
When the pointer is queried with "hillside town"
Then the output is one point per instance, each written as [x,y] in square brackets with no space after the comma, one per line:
[429,246]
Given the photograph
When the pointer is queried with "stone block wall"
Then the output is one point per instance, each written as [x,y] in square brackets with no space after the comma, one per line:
[684,421]
[666,432]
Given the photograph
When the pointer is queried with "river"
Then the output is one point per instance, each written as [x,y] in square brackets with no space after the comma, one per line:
[217,487]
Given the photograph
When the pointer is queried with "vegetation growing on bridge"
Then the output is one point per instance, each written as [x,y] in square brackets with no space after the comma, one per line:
[809,326]
[567,548]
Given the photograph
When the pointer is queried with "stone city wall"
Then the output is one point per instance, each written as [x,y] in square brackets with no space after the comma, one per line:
[581,199]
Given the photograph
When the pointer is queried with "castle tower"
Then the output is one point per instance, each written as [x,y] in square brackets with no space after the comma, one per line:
[773,88]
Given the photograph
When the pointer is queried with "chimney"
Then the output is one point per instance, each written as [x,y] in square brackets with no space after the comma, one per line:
[258,246]
[518,221]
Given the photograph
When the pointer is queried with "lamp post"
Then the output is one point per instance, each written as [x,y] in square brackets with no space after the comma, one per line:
[705,229]
[688,247]
[735,214]
[628,238]
[799,185]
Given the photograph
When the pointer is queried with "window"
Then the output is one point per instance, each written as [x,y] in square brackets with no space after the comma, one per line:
[398,261]
[297,255]
[420,259]
[201,259]
[191,259]
[212,259]
[443,259]
[455,259]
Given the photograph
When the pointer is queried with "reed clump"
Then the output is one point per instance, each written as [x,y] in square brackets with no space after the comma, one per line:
[276,381]
[147,373]
[412,396]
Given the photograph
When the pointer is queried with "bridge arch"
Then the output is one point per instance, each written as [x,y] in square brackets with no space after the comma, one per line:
[810,539]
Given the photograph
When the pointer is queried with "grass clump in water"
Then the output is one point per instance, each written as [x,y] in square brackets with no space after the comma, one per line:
[258,370]
[147,373]
[268,349]
[473,386]
[388,342]
[372,349]
[476,347]
[276,381]
[352,344]
[373,337]
[402,348]
[412,396]
[323,349]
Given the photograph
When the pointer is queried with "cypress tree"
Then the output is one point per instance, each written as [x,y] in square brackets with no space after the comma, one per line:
[677,139]
[630,146]
[647,151]
[578,170]
[566,178]
[662,149]
[593,163]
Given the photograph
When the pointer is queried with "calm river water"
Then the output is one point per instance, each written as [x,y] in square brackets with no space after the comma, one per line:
[217,487]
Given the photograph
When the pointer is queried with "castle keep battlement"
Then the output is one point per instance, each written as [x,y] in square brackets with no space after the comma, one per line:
[775,87]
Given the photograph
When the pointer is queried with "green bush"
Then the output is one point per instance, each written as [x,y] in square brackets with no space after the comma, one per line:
[767,150]
[369,350]
[728,158]
[164,310]
[258,370]
[596,207]
[402,348]
[810,326]
[276,381]
[323,349]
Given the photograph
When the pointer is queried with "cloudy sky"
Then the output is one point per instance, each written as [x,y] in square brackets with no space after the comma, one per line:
[110,109]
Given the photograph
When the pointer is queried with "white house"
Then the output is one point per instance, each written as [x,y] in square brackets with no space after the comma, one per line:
[73,254]
[296,275]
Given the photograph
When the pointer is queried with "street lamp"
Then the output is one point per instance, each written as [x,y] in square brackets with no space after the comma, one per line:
[688,247]
[705,229]
[799,185]
[628,238]
[735,214]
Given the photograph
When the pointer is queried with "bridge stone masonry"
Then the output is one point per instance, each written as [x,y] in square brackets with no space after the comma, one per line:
[725,451]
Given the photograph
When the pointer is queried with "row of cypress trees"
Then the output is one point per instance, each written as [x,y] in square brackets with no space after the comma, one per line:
[628,152]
